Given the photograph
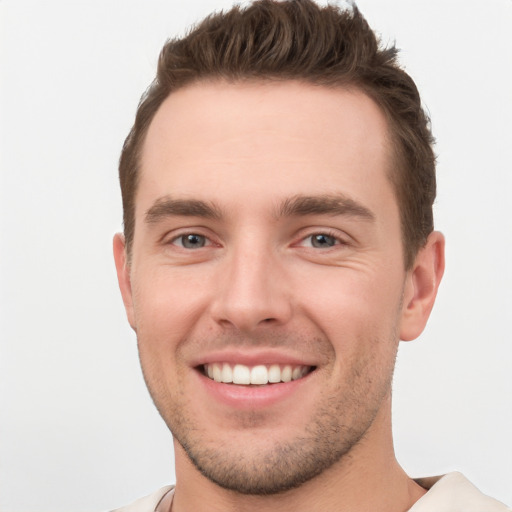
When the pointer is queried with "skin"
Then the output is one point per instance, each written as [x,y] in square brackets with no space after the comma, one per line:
[259,286]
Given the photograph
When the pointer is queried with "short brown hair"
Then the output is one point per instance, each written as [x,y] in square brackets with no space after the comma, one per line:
[299,40]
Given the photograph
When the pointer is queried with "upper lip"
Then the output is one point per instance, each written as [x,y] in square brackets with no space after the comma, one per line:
[253,358]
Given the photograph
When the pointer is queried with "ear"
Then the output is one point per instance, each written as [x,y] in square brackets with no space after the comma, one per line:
[421,287]
[123,276]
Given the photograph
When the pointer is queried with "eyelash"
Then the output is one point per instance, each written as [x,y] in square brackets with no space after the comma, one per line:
[328,234]
[337,239]
[182,236]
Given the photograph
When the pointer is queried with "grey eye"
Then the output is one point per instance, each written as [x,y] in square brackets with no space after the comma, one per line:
[322,241]
[192,241]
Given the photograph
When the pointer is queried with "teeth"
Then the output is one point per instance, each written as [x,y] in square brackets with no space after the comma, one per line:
[296,373]
[286,374]
[227,373]
[241,374]
[274,373]
[257,375]
[217,373]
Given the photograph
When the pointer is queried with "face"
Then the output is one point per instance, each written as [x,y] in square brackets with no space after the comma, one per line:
[267,284]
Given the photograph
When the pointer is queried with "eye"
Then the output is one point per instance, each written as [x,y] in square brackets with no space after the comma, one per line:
[191,241]
[322,240]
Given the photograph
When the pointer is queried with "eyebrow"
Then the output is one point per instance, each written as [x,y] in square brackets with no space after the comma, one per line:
[325,204]
[168,207]
[296,206]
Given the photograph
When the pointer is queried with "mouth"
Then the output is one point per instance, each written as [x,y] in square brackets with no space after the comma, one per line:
[258,375]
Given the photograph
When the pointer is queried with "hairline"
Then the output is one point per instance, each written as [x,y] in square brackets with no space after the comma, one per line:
[394,171]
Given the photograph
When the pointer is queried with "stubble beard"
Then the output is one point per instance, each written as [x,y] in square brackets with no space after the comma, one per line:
[338,424]
[285,466]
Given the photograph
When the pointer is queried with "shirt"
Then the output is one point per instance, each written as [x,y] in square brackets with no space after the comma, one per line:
[447,493]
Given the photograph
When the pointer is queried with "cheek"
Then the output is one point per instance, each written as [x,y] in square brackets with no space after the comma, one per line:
[168,305]
[341,294]
[358,312]
[167,301]
[164,317]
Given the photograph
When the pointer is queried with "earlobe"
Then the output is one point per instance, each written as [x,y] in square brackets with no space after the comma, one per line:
[123,275]
[421,287]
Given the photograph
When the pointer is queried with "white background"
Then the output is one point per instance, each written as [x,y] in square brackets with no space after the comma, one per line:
[77,428]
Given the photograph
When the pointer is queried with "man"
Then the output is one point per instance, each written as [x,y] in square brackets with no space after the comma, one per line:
[278,244]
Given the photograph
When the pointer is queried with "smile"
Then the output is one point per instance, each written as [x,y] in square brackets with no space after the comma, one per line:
[255,375]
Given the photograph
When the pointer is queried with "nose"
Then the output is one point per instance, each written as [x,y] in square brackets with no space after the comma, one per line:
[252,290]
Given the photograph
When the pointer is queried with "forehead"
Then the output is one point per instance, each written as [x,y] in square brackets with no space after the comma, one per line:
[265,139]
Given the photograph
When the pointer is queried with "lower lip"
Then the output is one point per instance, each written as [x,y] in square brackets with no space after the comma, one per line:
[251,397]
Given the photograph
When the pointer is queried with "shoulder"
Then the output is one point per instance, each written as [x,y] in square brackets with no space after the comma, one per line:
[147,503]
[454,493]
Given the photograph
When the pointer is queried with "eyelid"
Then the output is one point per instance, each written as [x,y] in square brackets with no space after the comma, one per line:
[171,236]
[174,241]
[342,239]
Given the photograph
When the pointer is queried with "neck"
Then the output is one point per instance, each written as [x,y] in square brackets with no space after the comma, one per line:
[367,478]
